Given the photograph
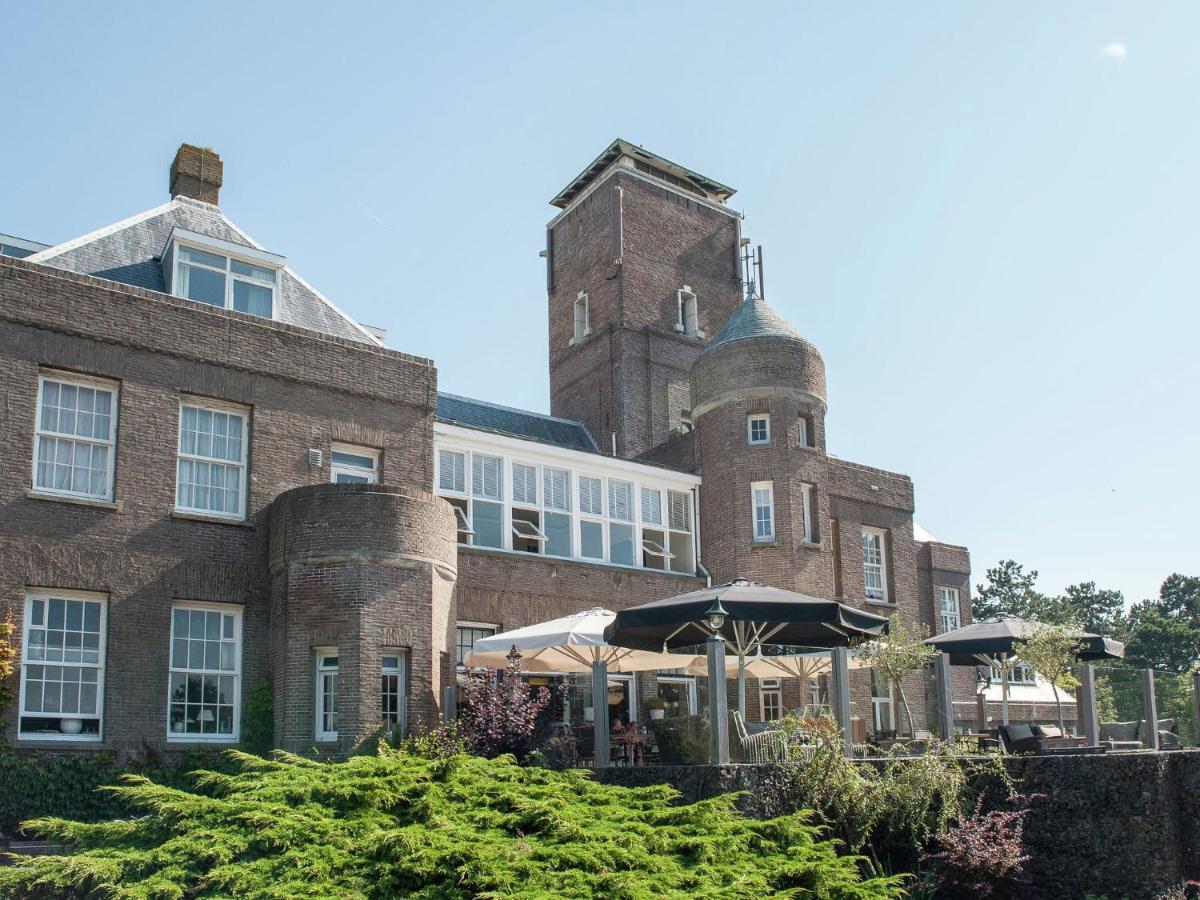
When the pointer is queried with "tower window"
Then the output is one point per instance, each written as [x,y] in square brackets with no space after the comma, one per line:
[762,495]
[803,432]
[583,325]
[688,317]
[874,545]
[758,429]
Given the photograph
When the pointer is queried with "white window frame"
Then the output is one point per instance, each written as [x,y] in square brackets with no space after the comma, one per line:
[581,321]
[320,670]
[77,381]
[755,506]
[806,500]
[236,673]
[949,609]
[491,627]
[882,565]
[878,701]
[214,406]
[687,319]
[340,468]
[230,251]
[772,687]
[47,594]
[689,683]
[400,673]
[802,432]
[464,491]
[751,421]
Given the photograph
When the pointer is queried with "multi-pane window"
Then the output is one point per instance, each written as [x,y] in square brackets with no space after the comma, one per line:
[76,431]
[882,709]
[678,694]
[393,665]
[487,512]
[1018,673]
[620,531]
[62,666]
[526,521]
[525,484]
[556,495]
[223,281]
[758,429]
[770,696]
[948,605]
[452,471]
[354,465]
[327,693]
[205,683]
[763,502]
[467,635]
[591,503]
[582,325]
[211,473]
[874,546]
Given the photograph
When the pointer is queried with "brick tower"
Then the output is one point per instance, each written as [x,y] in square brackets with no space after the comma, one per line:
[642,266]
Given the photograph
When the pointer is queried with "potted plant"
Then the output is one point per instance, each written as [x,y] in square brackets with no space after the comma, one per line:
[657,708]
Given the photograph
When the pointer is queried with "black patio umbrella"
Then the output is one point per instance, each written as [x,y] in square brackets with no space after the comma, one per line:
[755,615]
[997,637]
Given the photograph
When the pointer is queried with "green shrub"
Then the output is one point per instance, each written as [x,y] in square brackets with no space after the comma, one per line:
[682,740]
[258,719]
[398,825]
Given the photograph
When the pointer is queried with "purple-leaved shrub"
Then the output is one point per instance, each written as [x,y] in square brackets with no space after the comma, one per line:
[983,856]
[501,714]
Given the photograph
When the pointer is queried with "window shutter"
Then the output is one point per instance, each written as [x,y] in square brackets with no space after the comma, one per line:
[451,474]
[590,496]
[524,484]
[620,500]
[556,489]
[651,507]
[680,520]
[485,476]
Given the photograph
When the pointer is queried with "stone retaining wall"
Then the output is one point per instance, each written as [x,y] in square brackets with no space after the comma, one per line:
[1118,825]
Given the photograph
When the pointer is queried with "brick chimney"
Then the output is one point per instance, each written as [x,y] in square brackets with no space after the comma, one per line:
[196,173]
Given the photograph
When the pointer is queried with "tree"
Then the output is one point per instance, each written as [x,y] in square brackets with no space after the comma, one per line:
[1164,632]
[1097,610]
[1051,651]
[1010,589]
[899,653]
[502,713]
[8,659]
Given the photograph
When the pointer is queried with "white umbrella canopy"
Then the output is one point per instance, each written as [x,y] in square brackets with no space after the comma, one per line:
[790,665]
[570,644]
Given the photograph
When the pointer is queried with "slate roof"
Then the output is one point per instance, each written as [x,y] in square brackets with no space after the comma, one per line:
[128,252]
[483,416]
[754,318]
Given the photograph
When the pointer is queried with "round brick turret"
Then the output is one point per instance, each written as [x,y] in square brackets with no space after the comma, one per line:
[359,569]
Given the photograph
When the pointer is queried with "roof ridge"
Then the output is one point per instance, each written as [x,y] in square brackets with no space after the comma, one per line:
[525,412]
[95,235]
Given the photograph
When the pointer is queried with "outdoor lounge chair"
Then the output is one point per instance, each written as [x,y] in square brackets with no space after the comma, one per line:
[1037,739]
[1132,735]
[763,747]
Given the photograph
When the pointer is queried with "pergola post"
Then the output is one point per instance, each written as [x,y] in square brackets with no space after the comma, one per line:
[841,696]
[981,724]
[1089,719]
[945,698]
[1196,704]
[599,719]
[1150,708]
[718,702]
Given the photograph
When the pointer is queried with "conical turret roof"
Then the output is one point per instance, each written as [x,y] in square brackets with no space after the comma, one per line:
[753,319]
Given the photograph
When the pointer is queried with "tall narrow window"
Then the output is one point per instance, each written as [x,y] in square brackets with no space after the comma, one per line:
[620,531]
[582,322]
[354,465]
[803,432]
[679,523]
[62,666]
[874,546]
[688,320]
[806,499]
[762,495]
[76,430]
[948,603]
[758,429]
[591,531]
[211,472]
[881,704]
[327,694]
[556,496]
[204,698]
[487,512]
[393,666]
[770,697]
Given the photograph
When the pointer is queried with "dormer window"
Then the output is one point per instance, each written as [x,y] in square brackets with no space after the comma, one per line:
[223,274]
[688,321]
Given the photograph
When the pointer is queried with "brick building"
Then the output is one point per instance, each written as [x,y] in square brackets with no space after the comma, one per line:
[218,478]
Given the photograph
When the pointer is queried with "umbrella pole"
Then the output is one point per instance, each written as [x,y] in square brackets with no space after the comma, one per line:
[742,686]
[1004,685]
[600,711]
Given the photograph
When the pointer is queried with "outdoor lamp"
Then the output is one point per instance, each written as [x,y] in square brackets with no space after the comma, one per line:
[1196,663]
[715,615]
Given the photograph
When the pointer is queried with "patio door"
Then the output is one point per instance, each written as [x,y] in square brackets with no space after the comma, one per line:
[882,707]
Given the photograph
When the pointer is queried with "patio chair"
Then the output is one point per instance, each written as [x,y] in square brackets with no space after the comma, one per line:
[763,747]
[1037,739]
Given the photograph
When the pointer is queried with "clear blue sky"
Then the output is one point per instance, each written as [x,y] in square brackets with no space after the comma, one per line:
[985,221]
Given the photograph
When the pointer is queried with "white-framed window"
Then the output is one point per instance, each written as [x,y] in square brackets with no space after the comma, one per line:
[770,699]
[75,436]
[326,693]
[807,513]
[62,666]
[354,465]
[452,475]
[758,429]
[1018,673]
[557,524]
[211,470]
[393,667]
[204,688]
[762,499]
[583,325]
[466,634]
[687,321]
[591,530]
[949,608]
[225,281]
[680,542]
[678,694]
[487,495]
[620,529]
[802,432]
[874,546]
[882,706]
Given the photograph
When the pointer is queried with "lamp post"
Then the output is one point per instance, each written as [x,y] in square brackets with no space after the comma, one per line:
[718,703]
